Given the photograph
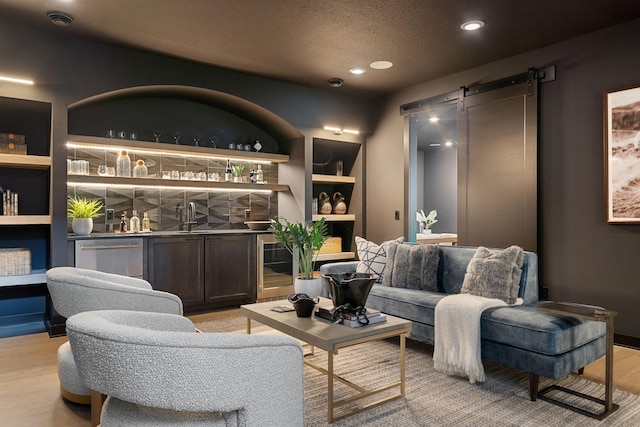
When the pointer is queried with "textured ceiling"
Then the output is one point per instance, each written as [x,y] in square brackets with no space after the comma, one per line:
[310,41]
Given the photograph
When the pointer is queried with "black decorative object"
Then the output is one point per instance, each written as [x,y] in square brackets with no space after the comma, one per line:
[303,304]
[349,288]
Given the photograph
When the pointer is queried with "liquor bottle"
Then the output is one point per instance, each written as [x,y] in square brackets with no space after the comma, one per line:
[123,222]
[146,224]
[228,173]
[134,222]
[259,175]
[252,176]
[123,164]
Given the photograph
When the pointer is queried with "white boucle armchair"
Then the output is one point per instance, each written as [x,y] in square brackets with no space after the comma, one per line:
[74,290]
[158,372]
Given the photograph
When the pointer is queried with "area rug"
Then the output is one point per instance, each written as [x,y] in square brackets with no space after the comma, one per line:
[436,399]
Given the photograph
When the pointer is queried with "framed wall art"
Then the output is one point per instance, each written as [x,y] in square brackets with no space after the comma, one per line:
[622,155]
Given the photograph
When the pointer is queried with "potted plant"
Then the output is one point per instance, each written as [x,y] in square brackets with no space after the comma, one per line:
[83,211]
[426,221]
[303,241]
[237,172]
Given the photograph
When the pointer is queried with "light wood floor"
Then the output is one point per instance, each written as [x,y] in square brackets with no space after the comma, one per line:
[29,388]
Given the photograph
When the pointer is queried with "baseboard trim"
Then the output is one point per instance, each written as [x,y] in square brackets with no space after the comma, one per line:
[627,341]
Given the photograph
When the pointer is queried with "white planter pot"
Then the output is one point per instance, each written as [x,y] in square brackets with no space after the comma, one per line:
[237,179]
[311,287]
[82,226]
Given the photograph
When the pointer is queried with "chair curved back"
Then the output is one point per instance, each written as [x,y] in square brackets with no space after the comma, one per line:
[156,360]
[74,290]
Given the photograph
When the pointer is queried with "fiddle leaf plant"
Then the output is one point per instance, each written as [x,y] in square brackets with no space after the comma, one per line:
[302,240]
[80,207]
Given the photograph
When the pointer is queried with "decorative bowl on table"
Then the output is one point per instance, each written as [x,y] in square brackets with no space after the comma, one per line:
[349,288]
[303,304]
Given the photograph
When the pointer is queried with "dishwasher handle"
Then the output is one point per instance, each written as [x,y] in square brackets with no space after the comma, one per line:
[99,248]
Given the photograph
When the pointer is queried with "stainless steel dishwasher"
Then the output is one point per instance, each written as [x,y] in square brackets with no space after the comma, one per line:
[118,255]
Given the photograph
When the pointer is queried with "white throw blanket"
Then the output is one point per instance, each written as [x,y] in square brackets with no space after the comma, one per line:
[457,334]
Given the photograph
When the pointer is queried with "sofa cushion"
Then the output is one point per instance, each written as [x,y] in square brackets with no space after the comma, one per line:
[411,304]
[494,274]
[412,266]
[373,258]
[530,329]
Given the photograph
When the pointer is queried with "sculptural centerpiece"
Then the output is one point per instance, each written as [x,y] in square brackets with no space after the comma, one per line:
[349,292]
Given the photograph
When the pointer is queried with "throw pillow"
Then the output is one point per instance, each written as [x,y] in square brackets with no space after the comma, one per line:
[373,258]
[412,266]
[494,274]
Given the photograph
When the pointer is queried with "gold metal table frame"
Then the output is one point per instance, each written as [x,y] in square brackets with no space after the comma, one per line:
[331,338]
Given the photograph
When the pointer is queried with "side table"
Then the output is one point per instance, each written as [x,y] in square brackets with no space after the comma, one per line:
[590,313]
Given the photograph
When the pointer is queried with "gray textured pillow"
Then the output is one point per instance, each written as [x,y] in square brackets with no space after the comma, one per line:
[412,266]
[494,274]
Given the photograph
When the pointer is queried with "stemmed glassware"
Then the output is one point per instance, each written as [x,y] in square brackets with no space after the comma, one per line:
[157,133]
[214,140]
[177,136]
[196,140]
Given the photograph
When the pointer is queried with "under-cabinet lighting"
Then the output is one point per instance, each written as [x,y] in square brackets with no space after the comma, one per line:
[434,119]
[15,80]
[116,149]
[351,131]
[163,187]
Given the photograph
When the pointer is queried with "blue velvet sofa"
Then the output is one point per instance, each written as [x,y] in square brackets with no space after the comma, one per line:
[521,337]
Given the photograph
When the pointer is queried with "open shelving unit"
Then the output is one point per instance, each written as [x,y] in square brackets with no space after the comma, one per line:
[23,297]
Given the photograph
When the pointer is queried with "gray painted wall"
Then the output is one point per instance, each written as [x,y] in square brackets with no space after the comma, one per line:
[582,259]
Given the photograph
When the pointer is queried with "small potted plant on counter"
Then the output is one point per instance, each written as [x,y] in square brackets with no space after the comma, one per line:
[303,241]
[426,221]
[83,211]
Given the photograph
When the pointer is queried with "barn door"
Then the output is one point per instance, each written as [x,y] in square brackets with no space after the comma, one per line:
[497,164]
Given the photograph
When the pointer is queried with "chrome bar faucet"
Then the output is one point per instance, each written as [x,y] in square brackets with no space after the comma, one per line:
[191,216]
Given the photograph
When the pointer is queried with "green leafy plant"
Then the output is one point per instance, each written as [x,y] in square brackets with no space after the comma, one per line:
[427,221]
[302,240]
[80,207]
[237,169]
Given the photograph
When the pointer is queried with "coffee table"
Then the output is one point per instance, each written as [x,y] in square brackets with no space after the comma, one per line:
[329,337]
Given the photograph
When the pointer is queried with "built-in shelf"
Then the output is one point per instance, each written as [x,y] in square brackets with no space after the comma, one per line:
[25,161]
[105,181]
[334,217]
[333,179]
[25,219]
[35,278]
[174,149]
[336,256]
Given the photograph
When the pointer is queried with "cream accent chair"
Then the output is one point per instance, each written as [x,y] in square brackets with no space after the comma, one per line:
[157,371]
[74,290]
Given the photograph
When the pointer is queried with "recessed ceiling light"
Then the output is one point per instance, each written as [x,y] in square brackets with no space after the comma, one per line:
[357,71]
[61,19]
[381,65]
[472,25]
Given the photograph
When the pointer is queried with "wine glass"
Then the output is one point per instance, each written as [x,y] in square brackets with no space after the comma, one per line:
[157,134]
[214,140]
[177,136]
[196,140]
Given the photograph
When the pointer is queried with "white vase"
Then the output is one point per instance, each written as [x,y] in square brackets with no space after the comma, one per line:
[311,287]
[82,226]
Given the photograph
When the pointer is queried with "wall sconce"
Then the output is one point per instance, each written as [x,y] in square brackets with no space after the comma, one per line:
[340,131]
[15,80]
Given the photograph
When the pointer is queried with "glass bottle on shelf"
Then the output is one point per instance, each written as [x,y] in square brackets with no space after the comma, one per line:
[259,175]
[123,222]
[228,173]
[140,170]
[146,224]
[123,164]
[134,222]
